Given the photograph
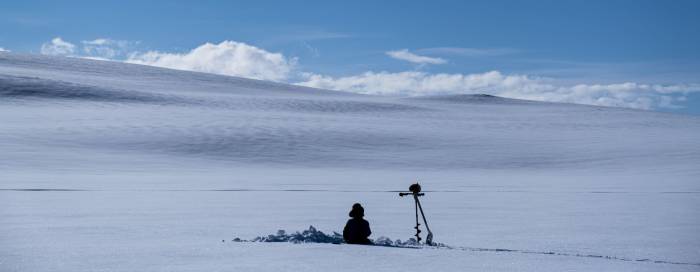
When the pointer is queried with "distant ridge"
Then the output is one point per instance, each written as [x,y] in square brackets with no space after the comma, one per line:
[473,98]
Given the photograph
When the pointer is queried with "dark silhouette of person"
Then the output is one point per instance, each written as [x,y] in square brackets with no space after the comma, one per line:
[357,229]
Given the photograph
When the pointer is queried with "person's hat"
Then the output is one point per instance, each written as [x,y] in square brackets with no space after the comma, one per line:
[357,211]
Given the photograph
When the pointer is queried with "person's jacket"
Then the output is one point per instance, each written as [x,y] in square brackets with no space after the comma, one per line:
[356,231]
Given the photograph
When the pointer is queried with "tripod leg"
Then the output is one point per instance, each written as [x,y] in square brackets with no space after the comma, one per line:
[429,239]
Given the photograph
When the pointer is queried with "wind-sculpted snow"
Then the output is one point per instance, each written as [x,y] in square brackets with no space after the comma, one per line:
[104,164]
[140,109]
[30,87]
[22,87]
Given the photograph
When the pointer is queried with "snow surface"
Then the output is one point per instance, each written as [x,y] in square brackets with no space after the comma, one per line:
[116,167]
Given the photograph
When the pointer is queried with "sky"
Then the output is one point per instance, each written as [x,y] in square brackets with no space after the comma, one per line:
[637,54]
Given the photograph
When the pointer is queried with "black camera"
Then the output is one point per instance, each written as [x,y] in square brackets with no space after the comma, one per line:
[414,190]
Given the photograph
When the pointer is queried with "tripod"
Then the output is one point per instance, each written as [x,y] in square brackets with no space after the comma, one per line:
[415,191]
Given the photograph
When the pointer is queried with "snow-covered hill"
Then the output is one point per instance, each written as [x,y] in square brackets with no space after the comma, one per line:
[112,166]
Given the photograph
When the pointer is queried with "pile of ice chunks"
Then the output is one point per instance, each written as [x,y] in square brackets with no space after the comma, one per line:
[312,235]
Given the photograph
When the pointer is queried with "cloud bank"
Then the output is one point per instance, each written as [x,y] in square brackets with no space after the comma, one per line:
[405,55]
[628,94]
[226,58]
[102,48]
[107,49]
[58,47]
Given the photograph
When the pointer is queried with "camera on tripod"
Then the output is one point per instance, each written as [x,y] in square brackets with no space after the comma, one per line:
[415,191]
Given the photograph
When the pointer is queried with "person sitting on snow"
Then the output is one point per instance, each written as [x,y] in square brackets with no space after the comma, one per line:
[357,229]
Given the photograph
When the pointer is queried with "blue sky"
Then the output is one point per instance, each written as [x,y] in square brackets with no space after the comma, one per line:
[628,53]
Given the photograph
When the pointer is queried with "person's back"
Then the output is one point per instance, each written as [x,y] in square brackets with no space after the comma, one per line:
[357,230]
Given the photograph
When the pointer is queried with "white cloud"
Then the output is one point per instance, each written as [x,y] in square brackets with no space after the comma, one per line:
[104,48]
[57,47]
[632,95]
[405,55]
[227,58]
[101,49]
[4,50]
